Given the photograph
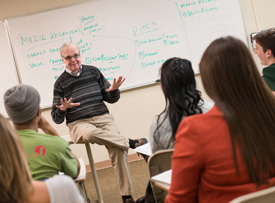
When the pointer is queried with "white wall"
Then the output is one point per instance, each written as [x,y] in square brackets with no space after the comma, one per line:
[137,107]
[264,13]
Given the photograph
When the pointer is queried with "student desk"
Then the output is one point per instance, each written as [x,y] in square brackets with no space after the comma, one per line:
[162,180]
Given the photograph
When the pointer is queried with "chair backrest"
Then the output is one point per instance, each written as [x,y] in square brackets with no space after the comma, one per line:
[159,162]
[263,196]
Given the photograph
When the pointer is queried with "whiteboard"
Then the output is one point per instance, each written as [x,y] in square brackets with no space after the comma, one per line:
[8,76]
[131,38]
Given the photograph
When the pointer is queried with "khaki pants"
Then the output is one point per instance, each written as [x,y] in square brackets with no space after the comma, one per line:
[103,131]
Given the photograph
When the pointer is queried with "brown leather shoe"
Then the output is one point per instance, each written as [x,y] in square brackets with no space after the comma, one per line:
[140,142]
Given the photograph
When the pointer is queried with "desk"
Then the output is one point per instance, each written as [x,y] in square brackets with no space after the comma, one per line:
[161,185]
[82,173]
[162,180]
[81,178]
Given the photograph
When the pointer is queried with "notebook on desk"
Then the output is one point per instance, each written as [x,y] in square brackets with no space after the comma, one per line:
[163,180]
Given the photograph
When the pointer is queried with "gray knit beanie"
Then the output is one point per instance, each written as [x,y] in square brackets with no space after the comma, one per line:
[21,103]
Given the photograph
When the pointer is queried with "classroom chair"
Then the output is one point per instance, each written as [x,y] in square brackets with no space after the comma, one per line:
[159,162]
[263,196]
[92,165]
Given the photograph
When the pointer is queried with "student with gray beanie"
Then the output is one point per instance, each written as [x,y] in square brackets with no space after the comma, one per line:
[47,154]
[21,103]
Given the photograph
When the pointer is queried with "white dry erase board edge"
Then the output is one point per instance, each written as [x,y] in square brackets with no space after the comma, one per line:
[130,38]
[8,76]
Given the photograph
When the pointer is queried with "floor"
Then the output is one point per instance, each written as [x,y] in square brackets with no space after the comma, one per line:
[139,175]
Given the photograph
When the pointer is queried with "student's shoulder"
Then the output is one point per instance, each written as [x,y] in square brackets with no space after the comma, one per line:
[209,112]
[52,138]
[160,119]
[192,127]
[59,144]
[65,183]
[59,182]
[61,179]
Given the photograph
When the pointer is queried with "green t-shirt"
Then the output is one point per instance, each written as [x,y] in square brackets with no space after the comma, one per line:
[47,154]
[269,76]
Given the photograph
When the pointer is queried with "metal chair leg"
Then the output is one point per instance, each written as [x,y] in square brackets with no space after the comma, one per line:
[92,165]
[83,192]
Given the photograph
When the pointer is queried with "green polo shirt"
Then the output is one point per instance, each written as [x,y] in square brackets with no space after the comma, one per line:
[47,155]
[269,76]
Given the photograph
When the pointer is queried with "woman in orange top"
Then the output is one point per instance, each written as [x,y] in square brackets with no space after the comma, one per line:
[229,151]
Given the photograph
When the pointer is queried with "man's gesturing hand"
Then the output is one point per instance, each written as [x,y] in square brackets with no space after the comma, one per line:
[116,84]
[65,104]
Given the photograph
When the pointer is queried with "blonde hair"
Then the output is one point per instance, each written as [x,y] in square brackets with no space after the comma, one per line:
[15,177]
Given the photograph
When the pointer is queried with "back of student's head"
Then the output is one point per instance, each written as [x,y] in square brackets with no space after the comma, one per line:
[21,103]
[179,88]
[15,178]
[229,73]
[230,77]
[177,79]
[266,38]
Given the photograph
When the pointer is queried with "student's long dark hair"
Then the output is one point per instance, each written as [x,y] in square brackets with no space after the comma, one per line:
[231,79]
[179,88]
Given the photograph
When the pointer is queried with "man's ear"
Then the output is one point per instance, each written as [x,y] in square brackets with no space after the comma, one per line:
[268,53]
[39,111]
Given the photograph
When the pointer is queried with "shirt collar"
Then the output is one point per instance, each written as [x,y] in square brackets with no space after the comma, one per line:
[72,73]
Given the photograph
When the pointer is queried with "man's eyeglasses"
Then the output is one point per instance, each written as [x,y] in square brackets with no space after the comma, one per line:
[69,58]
